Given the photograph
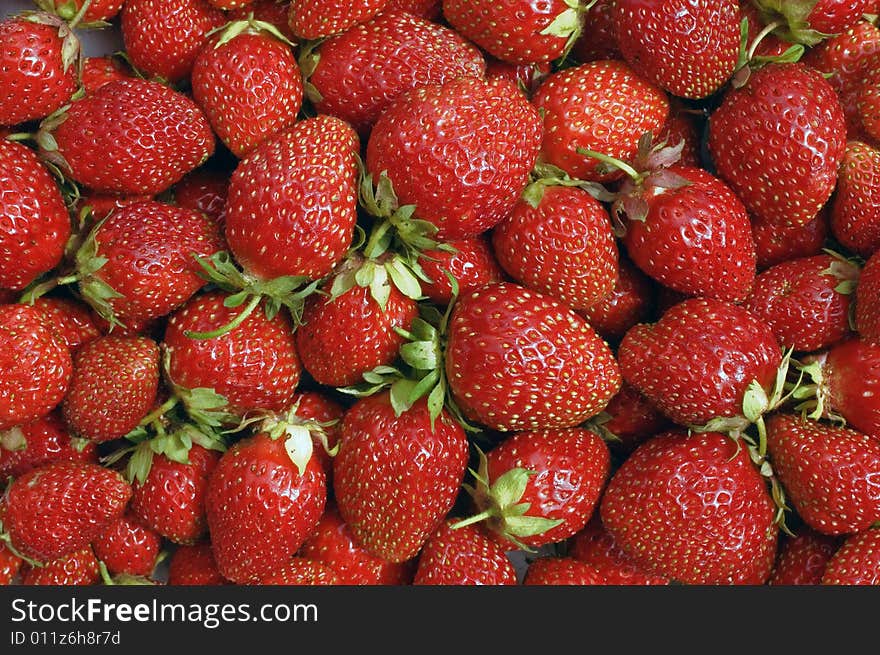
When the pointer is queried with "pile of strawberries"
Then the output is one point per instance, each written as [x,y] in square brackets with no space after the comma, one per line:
[400,291]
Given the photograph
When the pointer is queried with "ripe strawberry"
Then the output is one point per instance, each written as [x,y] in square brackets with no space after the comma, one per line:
[528,77]
[867,314]
[522,33]
[518,359]
[171,498]
[783,179]
[395,478]
[664,507]
[333,544]
[320,408]
[316,19]
[688,48]
[205,191]
[248,83]
[300,571]
[35,367]
[775,244]
[598,40]
[128,547]
[10,563]
[811,22]
[562,571]
[704,359]
[39,67]
[131,137]
[473,264]
[291,208]
[559,242]
[802,558]
[683,126]
[95,207]
[602,106]
[630,302]
[855,219]
[34,223]
[596,547]
[628,419]
[462,556]
[194,565]
[72,320]
[78,568]
[59,508]
[495,134]
[428,9]
[98,71]
[361,71]
[98,10]
[162,38]
[261,507]
[43,441]
[856,562]
[267,11]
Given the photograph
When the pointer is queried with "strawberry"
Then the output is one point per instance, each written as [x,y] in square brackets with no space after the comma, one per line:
[688,48]
[34,223]
[602,106]
[596,547]
[704,359]
[630,302]
[665,508]
[114,385]
[396,477]
[35,366]
[495,134]
[316,19]
[300,571]
[867,314]
[170,499]
[320,408]
[462,556]
[98,71]
[291,208]
[247,82]
[683,126]
[79,568]
[59,508]
[802,558]
[522,33]
[427,9]
[128,547]
[43,441]
[98,10]
[558,240]
[39,67]
[333,544]
[358,73]
[131,137]
[194,565]
[540,487]
[775,244]
[598,40]
[204,191]
[94,207]
[472,264]
[628,419]
[856,562]
[811,21]
[562,571]
[261,506]
[783,179]
[518,359]
[855,219]
[163,37]
[73,320]
[10,563]
[267,11]
[805,301]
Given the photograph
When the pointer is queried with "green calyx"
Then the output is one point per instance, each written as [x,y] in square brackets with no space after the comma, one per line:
[299,435]
[568,24]
[13,439]
[204,407]
[792,17]
[846,270]
[749,61]
[122,579]
[812,397]
[250,25]
[308,61]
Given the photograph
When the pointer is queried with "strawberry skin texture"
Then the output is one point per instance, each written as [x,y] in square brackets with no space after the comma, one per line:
[98,71]
[194,566]
[34,223]
[205,191]
[802,559]
[255,366]
[460,152]
[852,379]
[835,16]
[518,359]
[631,419]
[316,19]
[602,106]
[775,244]
[693,508]
[427,9]
[395,478]
[596,547]
[598,39]
[46,440]
[300,571]
[267,11]
[868,301]
[698,360]
[35,366]
[463,556]
[114,385]
[629,303]
[58,508]
[249,88]
[72,320]
[134,137]
[562,571]
[855,208]
[787,179]
[260,508]
[10,564]
[473,264]
[292,203]
[361,71]
[564,247]
[688,48]
[856,562]
[79,568]
[128,547]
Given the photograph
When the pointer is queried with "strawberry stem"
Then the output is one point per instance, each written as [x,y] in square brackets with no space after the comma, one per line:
[761,36]
[611,161]
[229,327]
[476,518]
[80,14]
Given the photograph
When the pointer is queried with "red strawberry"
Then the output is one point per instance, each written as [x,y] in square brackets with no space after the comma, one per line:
[77,568]
[131,137]
[522,33]
[194,565]
[204,191]
[34,223]
[558,240]
[333,543]
[358,73]
[428,9]
[10,563]
[273,12]
[868,301]
[518,359]
[775,244]
[855,219]
[528,77]
[630,302]
[128,547]
[683,126]
[35,367]
[783,179]
[562,571]
[463,556]
[629,419]
[494,134]
[163,37]
[598,40]
[39,67]
[95,207]
[98,71]
[395,478]
[802,558]
[320,408]
[472,264]
[292,203]
[688,48]
[693,508]
[73,320]
[602,106]
[58,508]
[43,441]
[98,10]
[302,571]
[248,83]
[856,562]
[261,507]
[811,21]
[316,19]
